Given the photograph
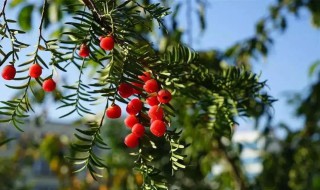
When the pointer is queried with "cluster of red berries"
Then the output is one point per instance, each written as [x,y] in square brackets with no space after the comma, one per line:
[106,43]
[155,98]
[9,72]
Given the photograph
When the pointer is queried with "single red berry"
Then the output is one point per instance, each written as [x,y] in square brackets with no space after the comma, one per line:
[156,113]
[107,43]
[134,106]
[125,90]
[49,85]
[151,86]
[9,72]
[84,51]
[138,85]
[158,128]
[35,71]
[113,111]
[164,96]
[145,76]
[131,140]
[138,130]
[131,120]
[152,100]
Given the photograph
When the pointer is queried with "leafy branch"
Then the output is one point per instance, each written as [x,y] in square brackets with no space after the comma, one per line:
[156,11]
[80,94]
[5,141]
[81,89]
[7,28]
[16,109]
[151,175]
[15,43]
[87,141]
[176,149]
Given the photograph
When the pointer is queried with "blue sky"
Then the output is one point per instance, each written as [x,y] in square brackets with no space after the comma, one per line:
[286,68]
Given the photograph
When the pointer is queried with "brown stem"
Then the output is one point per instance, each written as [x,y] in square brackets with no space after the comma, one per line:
[44,8]
[11,35]
[92,7]
[236,170]
[3,8]
[96,14]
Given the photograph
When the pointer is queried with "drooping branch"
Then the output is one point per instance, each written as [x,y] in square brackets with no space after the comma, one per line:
[18,108]
[7,29]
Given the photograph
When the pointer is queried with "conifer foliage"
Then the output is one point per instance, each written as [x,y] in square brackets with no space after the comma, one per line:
[130,71]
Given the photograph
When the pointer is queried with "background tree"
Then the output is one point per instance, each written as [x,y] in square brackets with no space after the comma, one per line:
[207,118]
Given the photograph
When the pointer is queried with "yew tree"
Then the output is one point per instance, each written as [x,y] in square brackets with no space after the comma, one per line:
[179,105]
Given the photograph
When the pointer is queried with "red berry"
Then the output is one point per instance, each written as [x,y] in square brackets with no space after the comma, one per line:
[151,86]
[152,100]
[35,71]
[158,128]
[164,96]
[131,140]
[125,90]
[49,85]
[8,72]
[131,120]
[134,106]
[152,120]
[113,111]
[138,130]
[138,85]
[107,43]
[130,111]
[84,51]
[145,76]
[156,112]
